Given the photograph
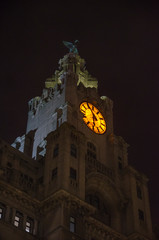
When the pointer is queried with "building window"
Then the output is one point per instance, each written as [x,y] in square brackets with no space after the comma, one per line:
[56,151]
[91,154]
[93,200]
[91,146]
[106,215]
[120,164]
[41,180]
[54,173]
[72,224]
[73,150]
[141,215]
[29,225]
[18,219]
[91,150]
[2,210]
[9,165]
[139,192]
[73,173]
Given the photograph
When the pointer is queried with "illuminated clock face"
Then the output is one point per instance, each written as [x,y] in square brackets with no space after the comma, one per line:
[93,118]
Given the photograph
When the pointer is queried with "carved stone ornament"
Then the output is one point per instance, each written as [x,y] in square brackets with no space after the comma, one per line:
[98,230]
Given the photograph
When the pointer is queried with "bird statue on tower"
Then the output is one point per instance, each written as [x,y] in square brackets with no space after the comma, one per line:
[72,47]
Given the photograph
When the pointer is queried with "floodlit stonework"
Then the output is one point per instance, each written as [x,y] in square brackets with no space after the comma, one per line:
[63,181]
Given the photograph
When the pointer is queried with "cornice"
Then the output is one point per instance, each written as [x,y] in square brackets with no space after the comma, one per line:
[137,236]
[59,198]
[67,200]
[101,230]
[138,175]
[17,196]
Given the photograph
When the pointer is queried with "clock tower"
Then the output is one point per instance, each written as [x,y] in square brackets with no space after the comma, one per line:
[70,173]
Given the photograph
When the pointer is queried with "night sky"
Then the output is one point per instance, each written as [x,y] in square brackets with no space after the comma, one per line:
[120,43]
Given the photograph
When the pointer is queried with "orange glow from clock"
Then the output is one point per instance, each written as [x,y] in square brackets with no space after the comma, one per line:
[93,118]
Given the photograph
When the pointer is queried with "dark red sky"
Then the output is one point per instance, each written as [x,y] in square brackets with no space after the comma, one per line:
[120,44]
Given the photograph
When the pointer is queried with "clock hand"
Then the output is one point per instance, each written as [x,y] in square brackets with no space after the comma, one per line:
[94,117]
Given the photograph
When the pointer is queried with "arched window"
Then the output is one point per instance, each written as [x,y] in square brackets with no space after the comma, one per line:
[73,150]
[103,212]
[93,200]
[106,217]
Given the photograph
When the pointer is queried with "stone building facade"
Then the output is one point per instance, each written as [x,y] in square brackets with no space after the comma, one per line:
[61,180]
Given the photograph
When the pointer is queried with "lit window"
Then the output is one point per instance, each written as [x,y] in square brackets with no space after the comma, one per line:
[29,225]
[73,173]
[18,219]
[56,151]
[2,210]
[72,224]
[73,150]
